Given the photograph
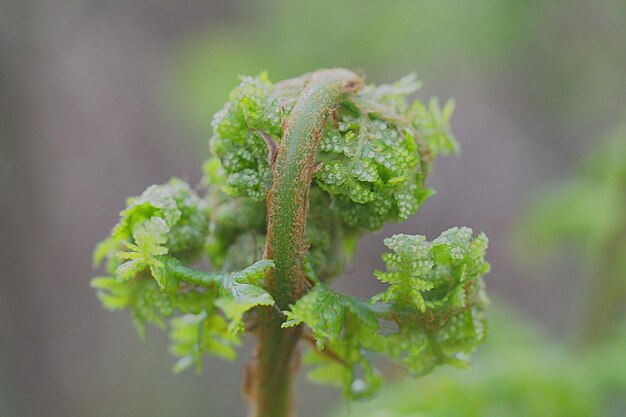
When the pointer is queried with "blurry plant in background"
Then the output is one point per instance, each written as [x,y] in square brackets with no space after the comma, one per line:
[587,212]
[521,372]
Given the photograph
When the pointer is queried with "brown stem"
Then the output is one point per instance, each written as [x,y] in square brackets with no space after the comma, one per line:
[273,369]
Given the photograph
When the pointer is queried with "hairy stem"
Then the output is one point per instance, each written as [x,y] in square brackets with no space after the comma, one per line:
[287,207]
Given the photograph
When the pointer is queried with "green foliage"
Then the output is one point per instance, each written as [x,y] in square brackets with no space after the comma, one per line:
[169,218]
[193,335]
[376,149]
[429,276]
[586,212]
[162,231]
[519,372]
[240,291]
[237,230]
[435,302]
[590,204]
[325,312]
[342,327]
[436,289]
[252,108]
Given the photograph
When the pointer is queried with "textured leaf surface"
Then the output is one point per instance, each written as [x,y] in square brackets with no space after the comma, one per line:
[326,311]
[375,152]
[430,314]
[147,257]
[376,149]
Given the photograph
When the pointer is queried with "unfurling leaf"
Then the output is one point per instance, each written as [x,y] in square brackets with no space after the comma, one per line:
[434,303]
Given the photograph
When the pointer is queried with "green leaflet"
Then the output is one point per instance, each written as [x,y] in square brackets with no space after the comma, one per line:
[194,335]
[377,155]
[349,368]
[237,230]
[326,311]
[433,123]
[183,223]
[376,149]
[160,232]
[240,291]
[374,170]
[343,327]
[167,219]
[436,297]
[431,313]
[146,302]
[233,293]
[373,157]
[252,108]
[428,275]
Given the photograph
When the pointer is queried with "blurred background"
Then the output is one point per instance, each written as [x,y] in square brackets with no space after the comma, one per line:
[101,99]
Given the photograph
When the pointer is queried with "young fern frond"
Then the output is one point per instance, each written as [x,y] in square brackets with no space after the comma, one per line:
[159,234]
[435,301]
[300,170]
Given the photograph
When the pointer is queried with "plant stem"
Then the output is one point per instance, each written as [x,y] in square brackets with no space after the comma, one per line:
[601,286]
[287,207]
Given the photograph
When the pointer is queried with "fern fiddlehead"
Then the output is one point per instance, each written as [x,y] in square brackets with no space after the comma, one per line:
[301,169]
